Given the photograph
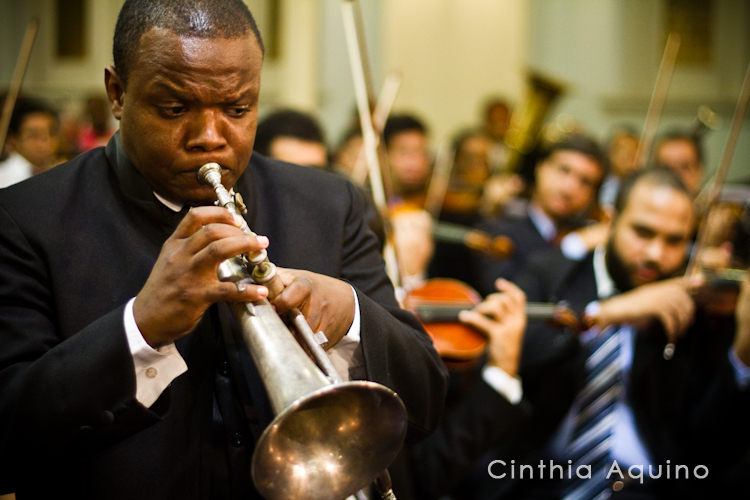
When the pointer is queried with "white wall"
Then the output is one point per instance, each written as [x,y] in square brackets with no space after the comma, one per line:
[48,74]
[453,54]
[608,51]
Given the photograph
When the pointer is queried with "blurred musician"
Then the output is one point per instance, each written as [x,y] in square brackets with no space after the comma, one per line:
[606,408]
[622,147]
[292,136]
[568,177]
[407,150]
[682,152]
[495,123]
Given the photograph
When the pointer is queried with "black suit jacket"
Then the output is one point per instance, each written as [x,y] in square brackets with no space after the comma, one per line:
[526,241]
[688,410]
[76,243]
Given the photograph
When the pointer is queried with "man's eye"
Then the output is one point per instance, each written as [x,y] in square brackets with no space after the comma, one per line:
[643,232]
[173,111]
[563,169]
[237,111]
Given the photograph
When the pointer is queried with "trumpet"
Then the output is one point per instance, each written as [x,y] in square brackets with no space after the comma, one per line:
[329,438]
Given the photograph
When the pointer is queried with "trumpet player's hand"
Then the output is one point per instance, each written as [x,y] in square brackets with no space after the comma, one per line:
[327,303]
[502,317]
[669,301]
[183,282]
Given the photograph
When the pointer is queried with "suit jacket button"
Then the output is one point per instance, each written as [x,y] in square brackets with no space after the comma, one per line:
[237,440]
[223,368]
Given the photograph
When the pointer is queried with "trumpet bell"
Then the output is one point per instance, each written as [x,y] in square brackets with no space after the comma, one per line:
[330,443]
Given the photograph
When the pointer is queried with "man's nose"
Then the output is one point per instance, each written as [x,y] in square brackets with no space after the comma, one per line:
[206,131]
[655,250]
[567,184]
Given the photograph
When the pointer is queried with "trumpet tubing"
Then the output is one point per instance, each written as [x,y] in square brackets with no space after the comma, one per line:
[328,438]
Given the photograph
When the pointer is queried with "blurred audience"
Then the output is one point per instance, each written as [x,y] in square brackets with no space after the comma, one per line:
[96,127]
[32,141]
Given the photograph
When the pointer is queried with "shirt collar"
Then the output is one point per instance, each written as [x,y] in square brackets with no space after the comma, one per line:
[173,206]
[542,222]
[605,285]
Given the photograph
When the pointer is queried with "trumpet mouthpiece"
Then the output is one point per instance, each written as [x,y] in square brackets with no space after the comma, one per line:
[210,173]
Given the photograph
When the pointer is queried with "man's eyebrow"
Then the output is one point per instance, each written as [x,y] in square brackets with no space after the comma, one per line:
[165,86]
[640,226]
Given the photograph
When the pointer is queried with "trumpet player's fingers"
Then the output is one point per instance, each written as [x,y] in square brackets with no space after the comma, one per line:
[214,243]
[204,225]
[297,292]
[327,303]
[197,217]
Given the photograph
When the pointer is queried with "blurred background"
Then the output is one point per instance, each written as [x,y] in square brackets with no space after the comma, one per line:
[452,56]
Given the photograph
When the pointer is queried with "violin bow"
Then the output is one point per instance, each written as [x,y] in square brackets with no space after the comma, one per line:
[15,84]
[383,108]
[716,186]
[369,138]
[714,193]
[658,97]
[439,180]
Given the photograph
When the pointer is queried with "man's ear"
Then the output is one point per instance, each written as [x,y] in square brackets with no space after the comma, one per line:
[115,91]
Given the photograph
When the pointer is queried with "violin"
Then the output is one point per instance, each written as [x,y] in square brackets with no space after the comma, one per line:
[498,247]
[437,303]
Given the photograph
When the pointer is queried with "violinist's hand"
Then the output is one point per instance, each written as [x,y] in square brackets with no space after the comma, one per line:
[668,301]
[502,317]
[498,191]
[594,235]
[413,241]
[327,303]
[742,316]
[183,282]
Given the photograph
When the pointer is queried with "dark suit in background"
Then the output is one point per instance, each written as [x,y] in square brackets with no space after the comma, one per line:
[526,241]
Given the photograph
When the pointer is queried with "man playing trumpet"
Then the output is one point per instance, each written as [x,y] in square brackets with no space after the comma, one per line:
[121,371]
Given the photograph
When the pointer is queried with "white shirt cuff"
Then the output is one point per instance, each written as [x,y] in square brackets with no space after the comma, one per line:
[507,386]
[155,369]
[346,355]
[573,247]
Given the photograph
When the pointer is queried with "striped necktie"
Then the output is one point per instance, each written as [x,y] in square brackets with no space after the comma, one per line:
[591,440]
